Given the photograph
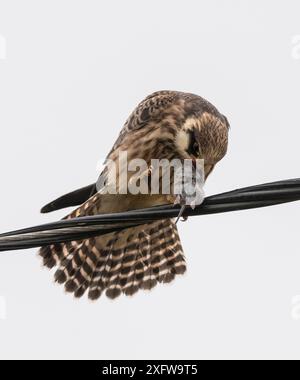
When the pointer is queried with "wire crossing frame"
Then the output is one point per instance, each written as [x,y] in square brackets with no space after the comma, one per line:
[258,196]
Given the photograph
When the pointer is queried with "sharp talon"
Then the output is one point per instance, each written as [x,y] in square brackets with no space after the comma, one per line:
[180,213]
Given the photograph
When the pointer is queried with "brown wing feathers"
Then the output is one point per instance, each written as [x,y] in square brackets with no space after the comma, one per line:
[135,258]
[124,262]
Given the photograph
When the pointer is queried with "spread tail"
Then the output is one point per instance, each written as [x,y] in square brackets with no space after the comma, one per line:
[121,262]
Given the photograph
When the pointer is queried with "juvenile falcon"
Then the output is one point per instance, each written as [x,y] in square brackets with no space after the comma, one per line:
[166,125]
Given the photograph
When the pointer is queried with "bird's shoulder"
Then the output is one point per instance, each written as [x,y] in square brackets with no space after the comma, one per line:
[150,109]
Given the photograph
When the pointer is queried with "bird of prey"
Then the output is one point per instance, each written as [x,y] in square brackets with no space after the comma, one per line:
[165,125]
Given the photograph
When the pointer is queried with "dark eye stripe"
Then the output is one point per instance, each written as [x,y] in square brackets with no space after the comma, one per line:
[193,149]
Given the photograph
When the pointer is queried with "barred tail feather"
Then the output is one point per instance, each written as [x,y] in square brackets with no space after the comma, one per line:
[123,262]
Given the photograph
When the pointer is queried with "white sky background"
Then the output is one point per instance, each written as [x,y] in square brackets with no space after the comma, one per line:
[71,73]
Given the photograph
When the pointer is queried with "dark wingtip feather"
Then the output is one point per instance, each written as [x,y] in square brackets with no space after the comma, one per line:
[179,269]
[74,198]
[149,284]
[70,286]
[169,277]
[47,208]
[80,292]
[60,276]
[113,293]
[46,254]
[131,290]
[94,294]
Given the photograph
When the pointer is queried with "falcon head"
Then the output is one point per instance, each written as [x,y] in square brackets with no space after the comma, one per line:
[203,135]
[175,125]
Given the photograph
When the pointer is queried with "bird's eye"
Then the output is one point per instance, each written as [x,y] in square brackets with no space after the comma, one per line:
[194,148]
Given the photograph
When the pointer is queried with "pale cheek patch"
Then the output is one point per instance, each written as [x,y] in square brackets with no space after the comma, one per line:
[182,141]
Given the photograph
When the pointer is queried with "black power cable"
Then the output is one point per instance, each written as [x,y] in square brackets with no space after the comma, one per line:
[264,195]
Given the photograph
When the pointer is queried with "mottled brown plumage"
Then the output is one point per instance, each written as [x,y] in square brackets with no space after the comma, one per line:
[140,257]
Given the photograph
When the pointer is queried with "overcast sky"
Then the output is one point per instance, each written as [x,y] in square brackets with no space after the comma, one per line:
[70,74]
